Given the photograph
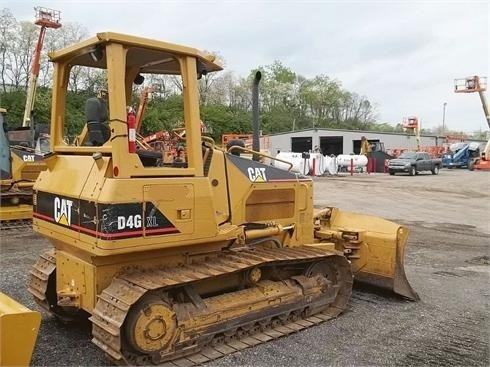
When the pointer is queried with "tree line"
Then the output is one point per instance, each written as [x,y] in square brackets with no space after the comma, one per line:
[288,101]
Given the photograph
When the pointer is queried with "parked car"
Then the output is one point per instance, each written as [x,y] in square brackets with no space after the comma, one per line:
[413,163]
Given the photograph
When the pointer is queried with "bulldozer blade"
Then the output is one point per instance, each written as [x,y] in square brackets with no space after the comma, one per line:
[395,279]
[19,327]
[374,246]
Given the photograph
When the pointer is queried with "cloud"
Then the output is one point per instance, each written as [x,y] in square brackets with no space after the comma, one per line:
[403,56]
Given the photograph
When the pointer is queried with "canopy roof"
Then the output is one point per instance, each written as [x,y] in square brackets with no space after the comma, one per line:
[150,56]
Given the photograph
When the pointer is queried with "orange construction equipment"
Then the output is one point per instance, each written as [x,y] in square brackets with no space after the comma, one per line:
[225,138]
[412,123]
[433,150]
[247,139]
[472,84]
[456,138]
[46,18]
[142,107]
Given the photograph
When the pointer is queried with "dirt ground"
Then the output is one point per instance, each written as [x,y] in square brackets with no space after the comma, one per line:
[447,263]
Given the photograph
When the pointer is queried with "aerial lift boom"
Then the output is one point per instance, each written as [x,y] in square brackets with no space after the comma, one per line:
[46,18]
[478,84]
[142,106]
[412,123]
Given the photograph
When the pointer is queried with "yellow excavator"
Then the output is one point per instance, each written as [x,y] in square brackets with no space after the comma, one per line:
[181,264]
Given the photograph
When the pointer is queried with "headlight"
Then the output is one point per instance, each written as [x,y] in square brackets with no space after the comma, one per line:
[407,164]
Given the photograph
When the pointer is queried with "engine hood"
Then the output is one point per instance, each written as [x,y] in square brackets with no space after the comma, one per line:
[399,161]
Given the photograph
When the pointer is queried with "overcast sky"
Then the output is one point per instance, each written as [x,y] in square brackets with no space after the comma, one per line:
[402,55]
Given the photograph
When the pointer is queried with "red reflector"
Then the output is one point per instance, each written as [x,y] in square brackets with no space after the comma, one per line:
[116,171]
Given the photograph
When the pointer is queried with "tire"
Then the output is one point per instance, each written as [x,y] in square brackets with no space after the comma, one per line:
[471,165]
[392,173]
[412,171]
[435,170]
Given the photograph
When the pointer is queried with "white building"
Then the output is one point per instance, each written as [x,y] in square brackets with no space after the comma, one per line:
[340,141]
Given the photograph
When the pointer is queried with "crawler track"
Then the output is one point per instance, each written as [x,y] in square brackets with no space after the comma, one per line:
[274,330]
[13,226]
[117,301]
[39,277]
[218,338]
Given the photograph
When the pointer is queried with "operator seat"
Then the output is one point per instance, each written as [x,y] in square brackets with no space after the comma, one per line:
[97,126]
[149,158]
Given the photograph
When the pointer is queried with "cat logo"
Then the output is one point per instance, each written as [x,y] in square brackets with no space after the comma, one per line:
[257,174]
[29,157]
[62,211]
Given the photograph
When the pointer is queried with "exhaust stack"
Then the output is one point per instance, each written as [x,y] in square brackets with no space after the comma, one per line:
[255,114]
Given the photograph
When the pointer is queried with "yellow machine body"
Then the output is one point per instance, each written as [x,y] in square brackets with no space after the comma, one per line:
[20,167]
[171,260]
[19,327]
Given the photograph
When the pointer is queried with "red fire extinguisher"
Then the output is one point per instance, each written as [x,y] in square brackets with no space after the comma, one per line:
[132,131]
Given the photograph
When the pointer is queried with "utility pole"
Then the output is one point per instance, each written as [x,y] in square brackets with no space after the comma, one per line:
[444,117]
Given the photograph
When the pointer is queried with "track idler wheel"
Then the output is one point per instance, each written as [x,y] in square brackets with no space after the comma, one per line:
[151,326]
[323,268]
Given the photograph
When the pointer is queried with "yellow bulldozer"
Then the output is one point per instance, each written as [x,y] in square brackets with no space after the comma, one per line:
[29,144]
[184,263]
[20,165]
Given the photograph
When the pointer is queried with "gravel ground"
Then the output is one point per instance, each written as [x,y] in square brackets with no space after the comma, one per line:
[447,263]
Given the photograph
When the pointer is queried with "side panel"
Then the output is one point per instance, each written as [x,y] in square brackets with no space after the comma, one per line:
[111,213]
[178,203]
[26,165]
[214,169]
[261,193]
[67,177]
[75,280]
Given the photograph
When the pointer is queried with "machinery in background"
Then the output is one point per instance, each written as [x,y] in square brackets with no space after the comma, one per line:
[20,167]
[30,134]
[145,95]
[161,141]
[247,139]
[378,157]
[461,155]
[226,138]
[177,263]
[412,124]
[476,84]
[5,169]
[29,144]
[45,18]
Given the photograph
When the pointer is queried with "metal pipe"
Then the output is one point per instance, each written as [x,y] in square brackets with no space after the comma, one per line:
[485,107]
[255,114]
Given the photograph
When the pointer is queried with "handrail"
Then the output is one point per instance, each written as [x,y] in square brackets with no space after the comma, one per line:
[208,139]
[251,151]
